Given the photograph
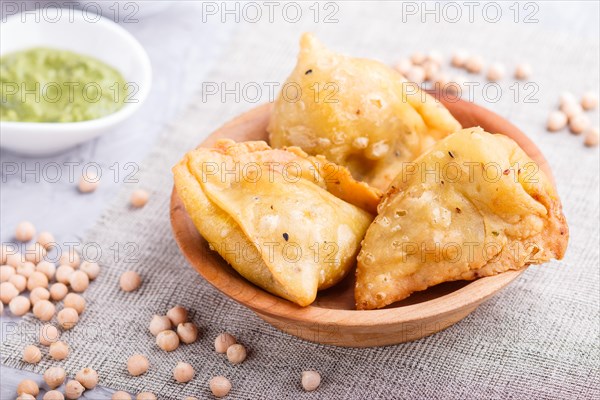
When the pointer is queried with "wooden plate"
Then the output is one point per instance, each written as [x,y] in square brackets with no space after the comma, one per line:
[332,319]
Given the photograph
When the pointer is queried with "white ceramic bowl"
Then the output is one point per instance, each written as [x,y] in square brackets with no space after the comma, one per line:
[74,31]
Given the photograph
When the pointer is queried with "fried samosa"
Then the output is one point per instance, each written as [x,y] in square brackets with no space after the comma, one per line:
[289,223]
[358,113]
[474,205]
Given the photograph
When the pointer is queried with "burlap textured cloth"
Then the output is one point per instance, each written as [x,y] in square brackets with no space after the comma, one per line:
[537,339]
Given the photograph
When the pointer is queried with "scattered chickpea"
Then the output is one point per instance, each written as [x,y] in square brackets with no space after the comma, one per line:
[75,301]
[88,184]
[495,72]
[578,124]
[459,58]
[120,395]
[37,279]
[87,377]
[53,395]
[27,386]
[145,396]
[223,341]
[591,137]
[48,335]
[435,56]
[188,332]
[19,281]
[177,315]
[557,120]
[137,364]
[130,281]
[310,380]
[47,268]
[416,74]
[589,100]
[571,109]
[418,58]
[71,258]
[236,353]
[26,269]
[523,71]
[219,386]
[8,291]
[159,323]
[167,340]
[73,389]
[44,310]
[6,271]
[404,66]
[25,231]
[38,294]
[55,376]
[139,198]
[474,64]
[67,317]
[63,273]
[92,269]
[35,253]
[183,372]
[59,350]
[58,291]
[566,97]
[79,281]
[32,354]
[14,259]
[19,306]
[26,396]
[46,240]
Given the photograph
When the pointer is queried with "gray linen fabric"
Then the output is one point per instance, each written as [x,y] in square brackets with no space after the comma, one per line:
[537,339]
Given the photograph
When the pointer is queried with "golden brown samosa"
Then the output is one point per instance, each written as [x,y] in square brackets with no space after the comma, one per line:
[474,205]
[358,113]
[289,223]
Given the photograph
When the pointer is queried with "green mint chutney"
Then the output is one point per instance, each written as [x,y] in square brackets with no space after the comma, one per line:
[51,85]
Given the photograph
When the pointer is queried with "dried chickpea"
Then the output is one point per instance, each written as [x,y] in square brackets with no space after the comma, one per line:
[88,184]
[19,306]
[145,396]
[71,258]
[459,58]
[32,354]
[48,335]
[25,231]
[39,293]
[28,386]
[130,281]
[120,395]
[58,291]
[59,350]
[75,301]
[571,109]
[79,281]
[495,72]
[55,376]
[430,69]
[1,308]
[87,377]
[177,315]
[418,58]
[67,318]
[47,268]
[92,269]
[416,74]
[435,56]
[183,372]
[591,137]
[474,64]
[46,240]
[589,101]
[167,340]
[73,390]
[578,124]
[37,279]
[219,386]
[44,310]
[35,253]
[26,268]
[236,353]
[557,120]
[26,396]
[139,198]
[310,380]
[223,341]
[14,259]
[6,271]
[137,364]
[188,332]
[53,395]
[8,291]
[403,66]
[63,273]
[159,323]
[523,71]
[566,97]
[19,281]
